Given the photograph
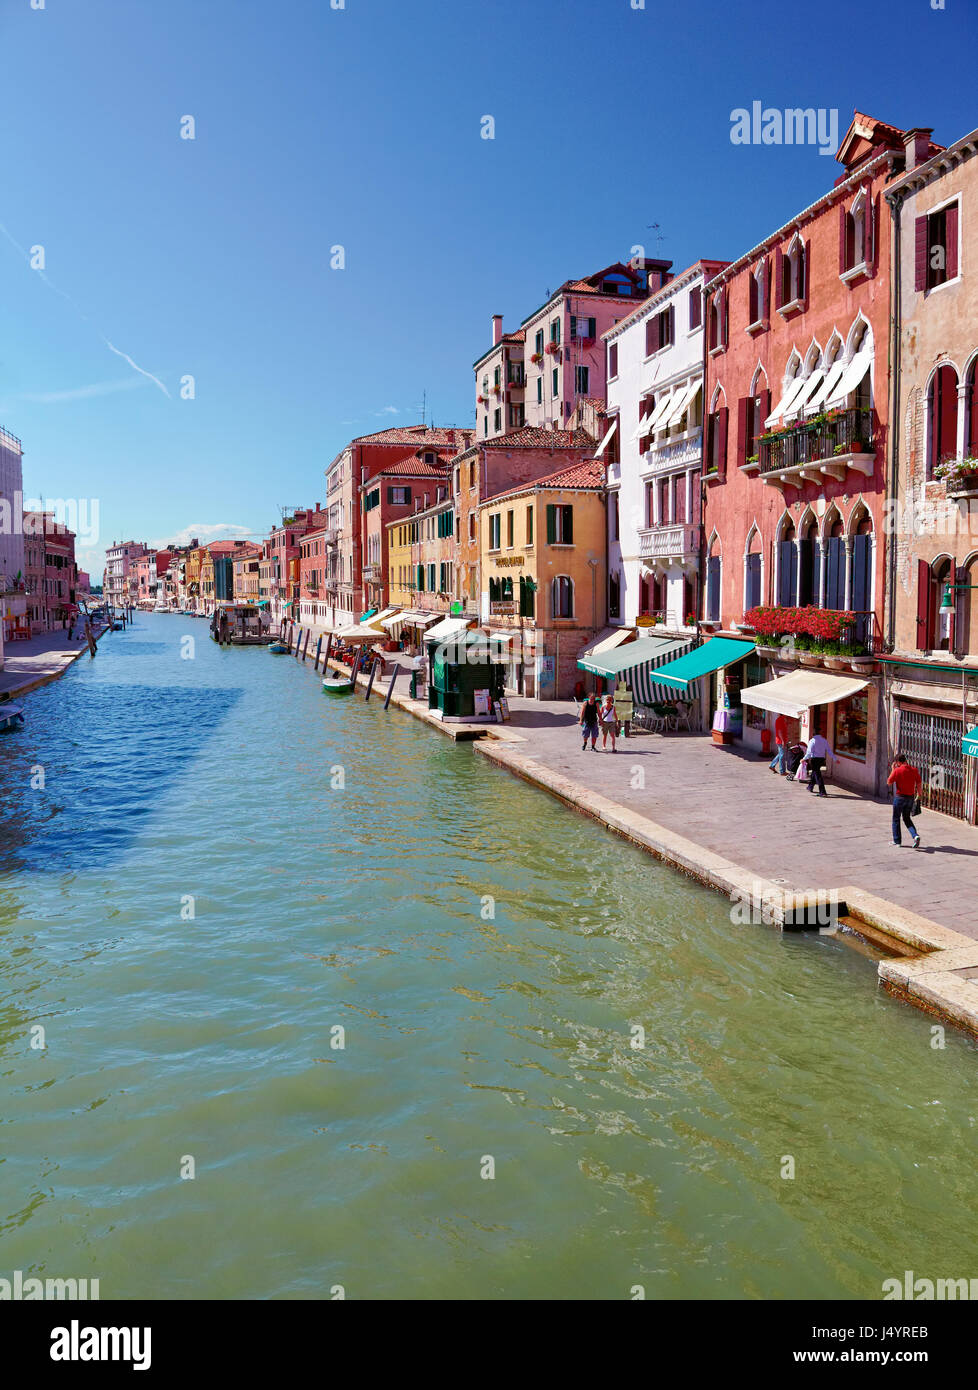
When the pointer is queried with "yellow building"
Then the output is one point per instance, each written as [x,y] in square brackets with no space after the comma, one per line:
[191,576]
[543,560]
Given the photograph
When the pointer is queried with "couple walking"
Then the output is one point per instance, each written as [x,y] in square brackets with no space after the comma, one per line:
[594,716]
[816,755]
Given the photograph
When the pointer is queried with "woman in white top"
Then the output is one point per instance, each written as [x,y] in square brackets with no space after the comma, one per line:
[608,719]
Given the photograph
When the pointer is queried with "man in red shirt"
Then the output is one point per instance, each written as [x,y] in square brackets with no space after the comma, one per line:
[777,763]
[906,782]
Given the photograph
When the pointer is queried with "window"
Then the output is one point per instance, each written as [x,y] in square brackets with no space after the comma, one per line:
[612,359]
[372,500]
[431,578]
[497,376]
[529,525]
[790,274]
[485,424]
[787,567]
[497,418]
[679,498]
[540,389]
[936,251]
[658,330]
[855,234]
[613,504]
[527,592]
[560,525]
[752,574]
[555,330]
[713,588]
[510,529]
[563,597]
[555,383]
[695,307]
[851,721]
[614,595]
[582,379]
[942,417]
[443,578]
[420,579]
[538,342]
[495,523]
[717,321]
[583,328]
[716,441]
[399,496]
[517,417]
[757,287]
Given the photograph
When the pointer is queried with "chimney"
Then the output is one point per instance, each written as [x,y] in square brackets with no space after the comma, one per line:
[497,328]
[916,143]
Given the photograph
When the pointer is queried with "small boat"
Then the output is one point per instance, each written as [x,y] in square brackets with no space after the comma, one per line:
[11,717]
[278,649]
[338,685]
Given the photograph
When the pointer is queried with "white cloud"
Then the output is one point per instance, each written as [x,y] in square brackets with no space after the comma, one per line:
[388,410]
[82,393]
[205,531]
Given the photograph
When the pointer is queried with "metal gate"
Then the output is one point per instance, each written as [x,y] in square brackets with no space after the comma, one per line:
[933,744]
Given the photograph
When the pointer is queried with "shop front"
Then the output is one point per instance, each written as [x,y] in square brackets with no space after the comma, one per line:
[843,709]
[635,667]
[712,677]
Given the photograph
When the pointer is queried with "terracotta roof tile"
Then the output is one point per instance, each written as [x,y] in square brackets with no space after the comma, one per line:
[447,436]
[533,437]
[588,473]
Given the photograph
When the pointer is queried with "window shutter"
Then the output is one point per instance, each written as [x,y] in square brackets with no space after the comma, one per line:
[568,536]
[724,318]
[764,409]
[868,226]
[695,305]
[806,247]
[551,523]
[743,428]
[592,328]
[766,306]
[924,625]
[779,278]
[573,330]
[650,335]
[951,240]
[752,310]
[920,258]
[722,441]
[843,228]
[671,323]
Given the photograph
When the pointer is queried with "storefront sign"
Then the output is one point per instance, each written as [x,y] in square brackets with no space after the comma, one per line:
[498,607]
[510,560]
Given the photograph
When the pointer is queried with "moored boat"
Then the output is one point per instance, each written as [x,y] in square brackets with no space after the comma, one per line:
[11,717]
[337,685]
[278,649]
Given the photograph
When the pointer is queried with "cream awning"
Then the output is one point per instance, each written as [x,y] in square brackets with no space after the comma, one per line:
[812,384]
[658,414]
[851,377]
[681,406]
[414,618]
[795,693]
[360,632]
[607,439]
[828,385]
[607,640]
[795,385]
[447,630]
[383,618]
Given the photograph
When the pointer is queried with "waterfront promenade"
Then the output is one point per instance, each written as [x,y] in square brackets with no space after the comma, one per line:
[43,658]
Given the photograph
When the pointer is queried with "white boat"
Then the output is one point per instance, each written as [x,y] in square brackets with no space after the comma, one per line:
[11,717]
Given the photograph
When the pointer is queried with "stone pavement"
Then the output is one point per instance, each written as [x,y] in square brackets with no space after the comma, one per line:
[727,801]
[33,663]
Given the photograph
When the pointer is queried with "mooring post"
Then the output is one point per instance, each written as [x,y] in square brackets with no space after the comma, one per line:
[298,643]
[370,679]
[390,689]
[356,664]
[329,648]
[306,646]
[319,647]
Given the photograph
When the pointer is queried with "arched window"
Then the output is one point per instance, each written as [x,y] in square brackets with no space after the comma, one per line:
[808,567]
[787,565]
[942,417]
[967,634]
[791,274]
[713,564]
[563,596]
[971,410]
[835,563]
[939,624]
[854,235]
[752,571]
[861,586]
[757,308]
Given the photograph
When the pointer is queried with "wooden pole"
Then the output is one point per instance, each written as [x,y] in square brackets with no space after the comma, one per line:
[329,648]
[298,642]
[319,647]
[390,689]
[370,679]
[306,646]
[356,664]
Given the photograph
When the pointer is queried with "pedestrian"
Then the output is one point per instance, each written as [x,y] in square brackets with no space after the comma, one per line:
[816,755]
[589,721]
[907,783]
[609,722]
[779,762]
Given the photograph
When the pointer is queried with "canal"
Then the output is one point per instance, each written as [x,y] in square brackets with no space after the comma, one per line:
[197,914]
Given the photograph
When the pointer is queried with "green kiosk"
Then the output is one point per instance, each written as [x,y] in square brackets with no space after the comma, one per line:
[464,682]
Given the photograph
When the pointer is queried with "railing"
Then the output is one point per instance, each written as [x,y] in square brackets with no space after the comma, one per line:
[666,542]
[371,571]
[818,441]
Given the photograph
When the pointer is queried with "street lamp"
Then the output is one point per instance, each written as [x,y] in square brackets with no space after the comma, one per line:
[947,602]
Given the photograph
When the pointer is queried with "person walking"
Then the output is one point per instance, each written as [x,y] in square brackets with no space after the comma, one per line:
[609,722]
[816,755]
[907,783]
[778,763]
[589,721]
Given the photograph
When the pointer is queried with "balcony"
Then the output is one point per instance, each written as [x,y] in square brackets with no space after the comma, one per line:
[685,449]
[825,447]
[670,545]
[331,535]
[371,572]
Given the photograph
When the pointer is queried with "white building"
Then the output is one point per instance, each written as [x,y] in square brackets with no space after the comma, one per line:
[654,455]
[13,586]
[119,560]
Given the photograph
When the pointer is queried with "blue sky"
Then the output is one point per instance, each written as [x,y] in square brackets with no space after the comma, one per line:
[360,127]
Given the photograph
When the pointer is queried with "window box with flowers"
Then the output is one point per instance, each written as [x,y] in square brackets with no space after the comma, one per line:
[496,390]
[536,357]
[552,349]
[959,475]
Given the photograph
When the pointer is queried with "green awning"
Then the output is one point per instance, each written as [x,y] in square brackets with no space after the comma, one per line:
[617,660]
[969,744]
[711,656]
[369,614]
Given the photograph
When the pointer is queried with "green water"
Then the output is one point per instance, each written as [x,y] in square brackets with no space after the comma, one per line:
[468,1036]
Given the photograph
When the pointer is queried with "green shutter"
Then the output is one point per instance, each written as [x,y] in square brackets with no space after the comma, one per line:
[551,523]
[420,584]
[573,327]
[568,536]
[592,328]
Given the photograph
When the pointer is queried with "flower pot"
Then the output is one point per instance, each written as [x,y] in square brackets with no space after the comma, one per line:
[809,658]
[837,663]
[863,667]
[769,652]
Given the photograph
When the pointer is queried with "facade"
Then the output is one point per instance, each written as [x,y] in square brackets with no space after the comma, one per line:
[312,608]
[13,581]
[399,490]
[120,557]
[191,578]
[283,560]
[245,582]
[421,553]
[564,357]
[654,451]
[35,571]
[543,569]
[485,469]
[500,383]
[796,399]
[932,673]
[60,572]
[217,573]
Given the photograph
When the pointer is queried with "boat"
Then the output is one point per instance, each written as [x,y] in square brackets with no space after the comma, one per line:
[338,685]
[279,649]
[11,717]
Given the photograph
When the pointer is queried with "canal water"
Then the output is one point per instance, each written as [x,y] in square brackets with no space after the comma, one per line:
[191,908]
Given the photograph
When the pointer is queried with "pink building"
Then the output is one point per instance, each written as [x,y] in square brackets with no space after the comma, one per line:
[283,560]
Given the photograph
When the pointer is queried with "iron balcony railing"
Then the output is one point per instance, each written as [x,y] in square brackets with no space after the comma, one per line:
[818,441]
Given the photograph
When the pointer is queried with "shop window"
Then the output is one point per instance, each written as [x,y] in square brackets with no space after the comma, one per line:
[851,725]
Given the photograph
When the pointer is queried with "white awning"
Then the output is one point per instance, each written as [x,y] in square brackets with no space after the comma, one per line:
[604,443]
[812,384]
[504,635]
[643,425]
[360,632]
[681,405]
[448,630]
[415,618]
[393,622]
[383,618]
[656,418]
[795,385]
[795,693]
[851,377]
[828,385]
[607,640]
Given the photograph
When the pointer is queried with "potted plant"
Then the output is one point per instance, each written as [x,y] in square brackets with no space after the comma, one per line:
[836,656]
[536,357]
[960,473]
[807,649]
[553,349]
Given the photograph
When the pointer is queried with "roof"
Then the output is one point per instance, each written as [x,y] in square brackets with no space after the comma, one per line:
[223,547]
[413,467]
[934,167]
[447,436]
[665,292]
[534,437]
[588,475]
[592,284]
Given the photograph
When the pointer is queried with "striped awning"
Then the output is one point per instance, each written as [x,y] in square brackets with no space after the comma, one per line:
[634,664]
[969,744]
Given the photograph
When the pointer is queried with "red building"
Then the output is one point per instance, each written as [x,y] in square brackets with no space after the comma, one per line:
[283,556]
[796,394]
